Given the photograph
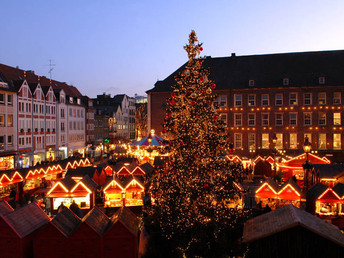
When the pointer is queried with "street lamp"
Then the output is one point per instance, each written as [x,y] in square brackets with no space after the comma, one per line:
[307,165]
[274,151]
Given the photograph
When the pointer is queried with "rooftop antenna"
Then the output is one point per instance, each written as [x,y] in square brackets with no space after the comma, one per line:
[51,68]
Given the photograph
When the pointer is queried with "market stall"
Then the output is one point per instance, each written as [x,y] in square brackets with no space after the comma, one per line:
[134,192]
[113,193]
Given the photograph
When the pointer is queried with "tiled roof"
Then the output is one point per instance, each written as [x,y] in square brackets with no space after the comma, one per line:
[302,69]
[5,208]
[97,220]
[66,221]
[289,217]
[27,219]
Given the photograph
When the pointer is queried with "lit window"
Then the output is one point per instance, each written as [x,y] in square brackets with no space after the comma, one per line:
[337,98]
[322,141]
[309,137]
[285,81]
[337,141]
[279,119]
[279,143]
[293,141]
[265,119]
[293,119]
[279,99]
[265,141]
[252,141]
[2,120]
[237,119]
[237,100]
[251,100]
[237,140]
[322,118]
[251,119]
[307,118]
[337,118]
[322,80]
[293,99]
[307,99]
[265,100]
[10,120]
[322,98]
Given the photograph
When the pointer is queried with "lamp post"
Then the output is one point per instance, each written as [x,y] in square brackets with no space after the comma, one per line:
[274,151]
[307,165]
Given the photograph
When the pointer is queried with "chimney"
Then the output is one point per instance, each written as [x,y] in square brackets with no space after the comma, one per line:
[233,55]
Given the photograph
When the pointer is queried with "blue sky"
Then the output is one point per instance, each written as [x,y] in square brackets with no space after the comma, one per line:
[121,46]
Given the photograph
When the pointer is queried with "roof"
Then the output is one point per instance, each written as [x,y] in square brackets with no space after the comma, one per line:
[82,171]
[27,219]
[317,190]
[128,218]
[268,71]
[329,170]
[97,220]
[293,184]
[68,182]
[89,183]
[66,221]
[339,189]
[147,168]
[5,208]
[289,217]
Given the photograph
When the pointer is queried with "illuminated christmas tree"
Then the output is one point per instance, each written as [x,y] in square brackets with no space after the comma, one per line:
[190,216]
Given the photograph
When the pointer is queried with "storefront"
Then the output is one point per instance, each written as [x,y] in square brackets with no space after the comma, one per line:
[24,161]
[113,194]
[74,152]
[38,157]
[134,193]
[63,154]
[7,162]
[50,156]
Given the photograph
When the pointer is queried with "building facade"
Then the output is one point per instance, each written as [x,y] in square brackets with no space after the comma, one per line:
[261,97]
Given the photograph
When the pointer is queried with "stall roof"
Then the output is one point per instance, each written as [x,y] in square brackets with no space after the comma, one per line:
[329,170]
[97,220]
[27,219]
[147,168]
[5,208]
[271,183]
[67,182]
[288,217]
[339,189]
[317,190]
[292,183]
[82,171]
[128,218]
[89,182]
[66,221]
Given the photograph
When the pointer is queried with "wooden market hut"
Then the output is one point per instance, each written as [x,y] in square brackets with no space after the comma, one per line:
[86,239]
[289,193]
[262,169]
[113,191]
[291,232]
[146,170]
[121,239]
[19,228]
[322,200]
[98,175]
[66,190]
[52,241]
[268,189]
[108,170]
[134,191]
[5,208]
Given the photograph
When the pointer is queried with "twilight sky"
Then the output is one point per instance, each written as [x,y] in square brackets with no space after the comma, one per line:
[125,46]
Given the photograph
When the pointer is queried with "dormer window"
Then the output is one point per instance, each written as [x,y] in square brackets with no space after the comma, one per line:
[322,80]
[78,101]
[251,83]
[71,99]
[285,81]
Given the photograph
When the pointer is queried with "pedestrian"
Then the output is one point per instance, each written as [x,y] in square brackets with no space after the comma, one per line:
[61,207]
[12,198]
[74,207]
[267,208]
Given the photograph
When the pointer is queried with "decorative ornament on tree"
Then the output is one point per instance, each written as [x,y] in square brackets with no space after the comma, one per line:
[208,91]
[213,86]
[193,95]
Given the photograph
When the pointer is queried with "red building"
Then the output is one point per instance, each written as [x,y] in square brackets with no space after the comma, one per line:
[287,95]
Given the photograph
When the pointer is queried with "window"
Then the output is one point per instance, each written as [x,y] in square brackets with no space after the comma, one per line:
[2,99]
[237,119]
[322,118]
[279,99]
[62,127]
[322,141]
[237,100]
[322,80]
[2,142]
[293,141]
[279,119]
[285,81]
[251,100]
[322,98]
[10,120]
[337,98]
[70,99]
[62,113]
[2,120]
[222,102]
[9,100]
[265,141]
[337,118]
[293,119]
[252,141]
[251,119]
[309,137]
[78,101]
[279,143]
[265,119]
[251,83]
[293,99]
[9,140]
[237,140]
[307,118]
[265,100]
[307,99]
[337,141]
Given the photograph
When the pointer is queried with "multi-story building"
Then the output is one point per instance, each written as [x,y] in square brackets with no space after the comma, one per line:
[8,124]
[260,97]
[89,122]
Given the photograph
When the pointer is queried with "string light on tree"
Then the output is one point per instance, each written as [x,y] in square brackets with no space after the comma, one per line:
[193,189]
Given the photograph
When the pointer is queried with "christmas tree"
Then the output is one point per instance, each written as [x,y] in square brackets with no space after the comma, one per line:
[190,215]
